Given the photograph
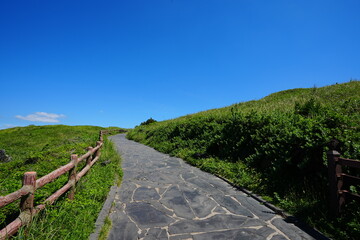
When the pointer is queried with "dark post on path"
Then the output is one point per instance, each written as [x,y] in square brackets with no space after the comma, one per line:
[340,182]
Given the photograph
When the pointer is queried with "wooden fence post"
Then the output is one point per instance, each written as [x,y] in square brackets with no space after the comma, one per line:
[334,170]
[27,202]
[89,159]
[101,136]
[72,177]
[98,151]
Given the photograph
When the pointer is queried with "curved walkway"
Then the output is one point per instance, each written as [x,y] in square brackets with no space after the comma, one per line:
[162,197]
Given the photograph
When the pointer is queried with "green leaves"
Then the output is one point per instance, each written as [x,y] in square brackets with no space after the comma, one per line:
[275,144]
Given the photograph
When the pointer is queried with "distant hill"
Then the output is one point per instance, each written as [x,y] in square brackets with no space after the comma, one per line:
[285,100]
[275,146]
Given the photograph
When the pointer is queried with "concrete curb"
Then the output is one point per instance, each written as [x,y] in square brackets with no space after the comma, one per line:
[105,211]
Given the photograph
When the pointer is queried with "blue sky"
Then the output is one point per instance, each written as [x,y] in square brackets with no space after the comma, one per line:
[118,63]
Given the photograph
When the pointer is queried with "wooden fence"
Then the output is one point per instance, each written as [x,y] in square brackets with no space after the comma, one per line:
[105,132]
[340,182]
[31,184]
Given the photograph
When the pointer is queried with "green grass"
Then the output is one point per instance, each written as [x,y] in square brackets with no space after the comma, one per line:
[49,147]
[104,232]
[275,146]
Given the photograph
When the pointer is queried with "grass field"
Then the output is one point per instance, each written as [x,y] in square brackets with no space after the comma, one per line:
[275,146]
[44,149]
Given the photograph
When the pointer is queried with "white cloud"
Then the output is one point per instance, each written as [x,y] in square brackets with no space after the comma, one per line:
[42,117]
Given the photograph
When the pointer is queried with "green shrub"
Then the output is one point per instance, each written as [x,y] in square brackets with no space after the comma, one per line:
[149,121]
[279,142]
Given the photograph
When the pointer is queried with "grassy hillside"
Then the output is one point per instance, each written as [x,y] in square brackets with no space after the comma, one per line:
[275,146]
[44,149]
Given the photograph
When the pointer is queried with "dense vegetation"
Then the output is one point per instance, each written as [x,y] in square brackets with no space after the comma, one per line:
[44,149]
[275,146]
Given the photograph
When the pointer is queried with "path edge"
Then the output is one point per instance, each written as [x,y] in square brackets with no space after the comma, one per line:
[313,232]
[105,212]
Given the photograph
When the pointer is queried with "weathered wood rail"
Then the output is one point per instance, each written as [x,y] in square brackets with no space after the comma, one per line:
[31,184]
[340,182]
[105,132]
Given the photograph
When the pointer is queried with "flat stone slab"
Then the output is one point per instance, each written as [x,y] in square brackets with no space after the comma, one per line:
[162,197]
[146,216]
[243,234]
[214,223]
[174,199]
[145,193]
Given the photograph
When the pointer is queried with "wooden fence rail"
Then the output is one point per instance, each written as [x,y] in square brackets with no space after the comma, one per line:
[340,182]
[104,132]
[31,184]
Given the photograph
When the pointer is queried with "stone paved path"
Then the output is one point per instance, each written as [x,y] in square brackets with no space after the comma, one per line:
[162,197]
